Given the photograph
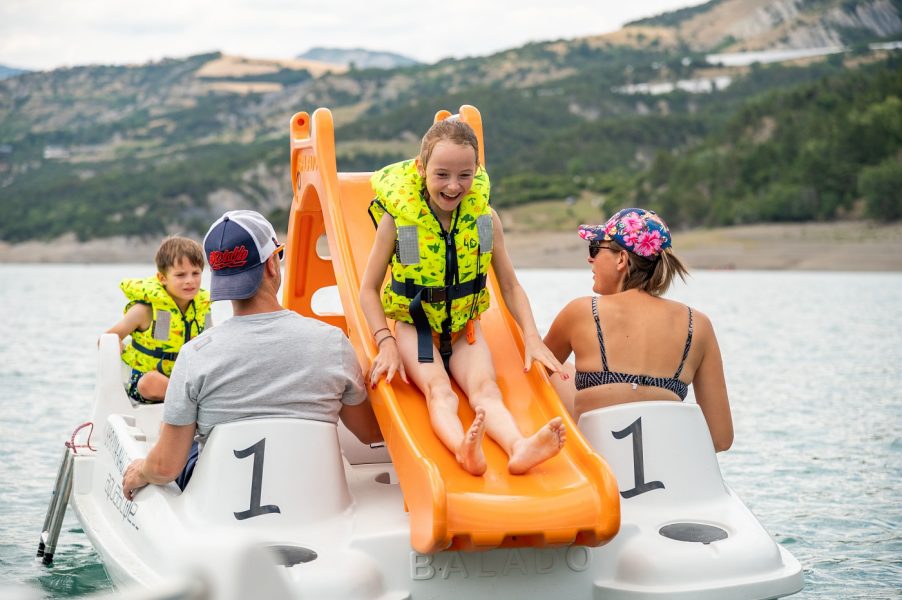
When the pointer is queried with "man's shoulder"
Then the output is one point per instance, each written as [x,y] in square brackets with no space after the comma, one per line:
[284,324]
[312,326]
[197,343]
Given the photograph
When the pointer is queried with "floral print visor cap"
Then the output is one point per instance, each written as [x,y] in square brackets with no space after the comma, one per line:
[640,231]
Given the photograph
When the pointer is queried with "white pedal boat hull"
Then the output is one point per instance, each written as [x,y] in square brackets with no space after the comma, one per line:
[282,508]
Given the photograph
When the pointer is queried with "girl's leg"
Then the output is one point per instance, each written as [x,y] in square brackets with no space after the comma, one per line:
[433,381]
[471,365]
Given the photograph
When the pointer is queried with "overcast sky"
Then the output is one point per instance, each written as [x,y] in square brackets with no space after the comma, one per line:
[45,34]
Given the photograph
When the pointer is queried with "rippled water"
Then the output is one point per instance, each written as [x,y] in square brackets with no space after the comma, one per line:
[813,364]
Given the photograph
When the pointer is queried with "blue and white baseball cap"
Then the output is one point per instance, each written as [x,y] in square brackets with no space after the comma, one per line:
[237,245]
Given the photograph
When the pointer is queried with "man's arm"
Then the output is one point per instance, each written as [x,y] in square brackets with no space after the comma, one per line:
[164,462]
[356,411]
[361,421]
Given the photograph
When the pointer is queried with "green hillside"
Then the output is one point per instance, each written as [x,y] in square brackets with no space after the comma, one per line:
[817,151]
[165,147]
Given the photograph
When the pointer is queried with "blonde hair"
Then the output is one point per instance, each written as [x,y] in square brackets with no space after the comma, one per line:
[653,275]
[452,130]
[174,248]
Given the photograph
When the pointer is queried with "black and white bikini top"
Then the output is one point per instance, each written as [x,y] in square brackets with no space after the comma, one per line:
[587,379]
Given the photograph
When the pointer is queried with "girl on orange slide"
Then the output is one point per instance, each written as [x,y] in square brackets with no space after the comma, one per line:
[437,232]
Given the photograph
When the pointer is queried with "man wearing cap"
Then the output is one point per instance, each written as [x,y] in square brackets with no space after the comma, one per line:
[265,361]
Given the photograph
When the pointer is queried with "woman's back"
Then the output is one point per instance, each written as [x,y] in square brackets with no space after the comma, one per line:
[644,340]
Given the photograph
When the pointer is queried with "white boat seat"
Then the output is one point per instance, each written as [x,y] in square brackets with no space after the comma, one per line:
[269,474]
[109,392]
[665,444]
[684,534]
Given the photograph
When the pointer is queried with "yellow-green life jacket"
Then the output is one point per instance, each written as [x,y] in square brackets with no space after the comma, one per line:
[158,346]
[449,296]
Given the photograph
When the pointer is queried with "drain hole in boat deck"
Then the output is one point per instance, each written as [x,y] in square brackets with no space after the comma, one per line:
[693,532]
[290,556]
[384,477]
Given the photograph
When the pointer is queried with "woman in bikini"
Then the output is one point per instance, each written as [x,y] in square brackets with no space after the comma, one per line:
[630,344]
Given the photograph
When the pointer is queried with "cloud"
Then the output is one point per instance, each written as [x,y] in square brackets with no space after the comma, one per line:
[45,34]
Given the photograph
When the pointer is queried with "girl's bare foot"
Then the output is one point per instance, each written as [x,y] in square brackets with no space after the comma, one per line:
[469,454]
[538,447]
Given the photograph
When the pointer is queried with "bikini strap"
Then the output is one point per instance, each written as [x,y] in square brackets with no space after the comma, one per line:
[604,356]
[686,349]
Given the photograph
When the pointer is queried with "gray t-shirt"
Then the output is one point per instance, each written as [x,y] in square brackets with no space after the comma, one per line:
[276,364]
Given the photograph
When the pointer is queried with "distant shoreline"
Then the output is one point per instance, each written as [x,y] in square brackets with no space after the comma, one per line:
[839,246]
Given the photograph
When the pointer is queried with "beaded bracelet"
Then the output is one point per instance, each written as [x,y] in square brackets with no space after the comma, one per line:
[379,343]
[378,331]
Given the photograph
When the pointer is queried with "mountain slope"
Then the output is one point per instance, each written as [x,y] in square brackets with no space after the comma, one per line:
[10,72]
[828,148]
[359,58]
[744,25]
[165,147]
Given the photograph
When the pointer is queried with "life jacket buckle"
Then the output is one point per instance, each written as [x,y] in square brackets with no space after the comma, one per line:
[436,294]
[444,344]
[445,348]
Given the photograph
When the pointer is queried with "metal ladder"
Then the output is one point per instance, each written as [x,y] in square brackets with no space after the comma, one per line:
[59,499]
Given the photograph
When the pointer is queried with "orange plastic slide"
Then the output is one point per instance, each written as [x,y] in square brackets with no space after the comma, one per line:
[570,499]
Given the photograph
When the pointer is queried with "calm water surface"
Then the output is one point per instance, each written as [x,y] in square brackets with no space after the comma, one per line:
[813,364]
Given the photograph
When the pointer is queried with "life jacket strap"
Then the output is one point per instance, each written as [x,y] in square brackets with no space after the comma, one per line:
[158,353]
[445,348]
[419,294]
[411,290]
[424,330]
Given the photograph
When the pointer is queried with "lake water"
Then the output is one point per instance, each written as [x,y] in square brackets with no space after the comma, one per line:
[813,364]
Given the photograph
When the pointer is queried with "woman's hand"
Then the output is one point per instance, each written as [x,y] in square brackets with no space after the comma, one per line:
[536,350]
[387,362]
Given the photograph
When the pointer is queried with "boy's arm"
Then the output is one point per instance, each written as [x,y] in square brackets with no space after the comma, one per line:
[518,303]
[137,318]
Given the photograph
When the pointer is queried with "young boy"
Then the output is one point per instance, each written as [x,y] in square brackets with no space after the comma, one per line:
[162,313]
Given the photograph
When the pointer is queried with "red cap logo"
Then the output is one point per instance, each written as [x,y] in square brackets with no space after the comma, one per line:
[228,259]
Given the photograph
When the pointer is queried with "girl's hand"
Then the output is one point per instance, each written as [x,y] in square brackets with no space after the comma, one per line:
[536,350]
[387,362]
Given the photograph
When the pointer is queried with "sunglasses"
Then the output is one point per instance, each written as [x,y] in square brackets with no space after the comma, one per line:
[280,249]
[596,247]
